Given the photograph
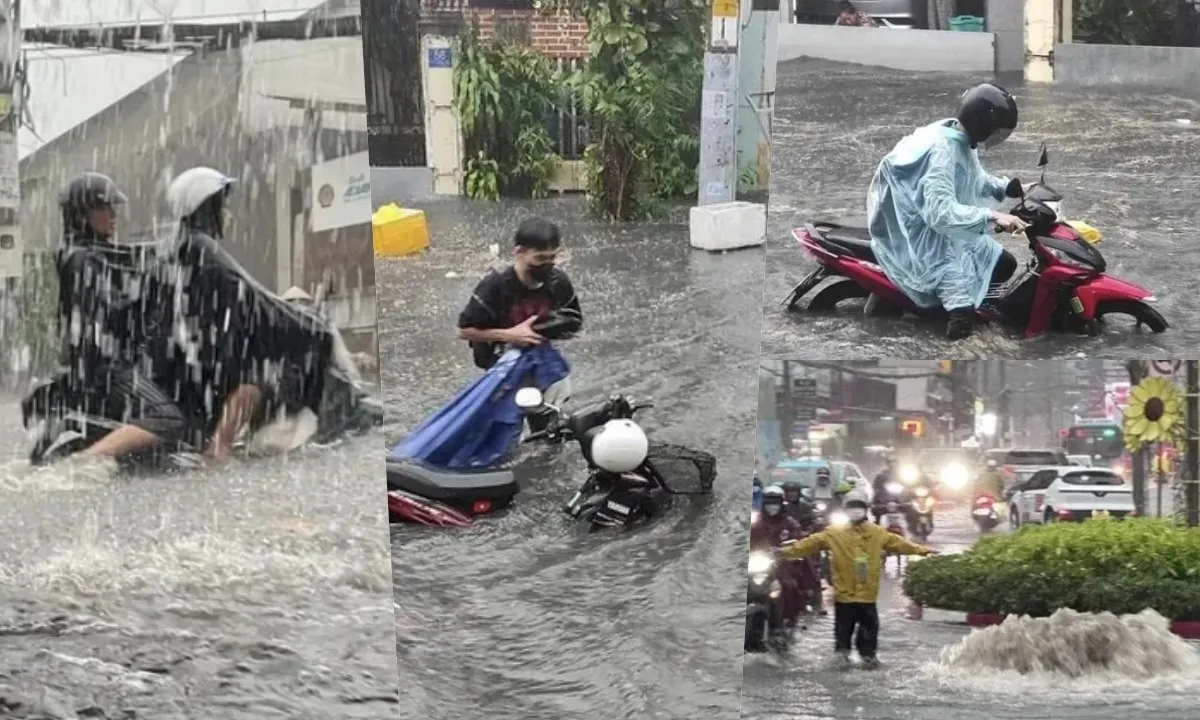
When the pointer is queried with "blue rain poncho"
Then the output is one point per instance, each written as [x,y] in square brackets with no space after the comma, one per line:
[928,209]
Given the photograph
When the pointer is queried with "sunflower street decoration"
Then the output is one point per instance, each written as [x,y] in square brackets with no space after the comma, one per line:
[1154,415]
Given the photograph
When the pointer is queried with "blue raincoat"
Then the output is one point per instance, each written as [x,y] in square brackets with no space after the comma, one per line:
[480,425]
[929,221]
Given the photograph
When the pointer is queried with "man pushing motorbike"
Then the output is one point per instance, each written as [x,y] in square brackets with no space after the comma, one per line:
[856,558]
[929,209]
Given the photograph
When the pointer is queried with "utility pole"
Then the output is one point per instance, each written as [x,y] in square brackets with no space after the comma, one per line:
[1192,476]
[12,248]
[757,57]
[1137,371]
[718,114]
[785,408]
[1002,420]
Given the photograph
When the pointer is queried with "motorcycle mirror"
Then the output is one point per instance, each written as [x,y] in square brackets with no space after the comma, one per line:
[1043,161]
[529,398]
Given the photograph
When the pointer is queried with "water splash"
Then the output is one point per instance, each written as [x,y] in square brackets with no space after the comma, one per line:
[1075,645]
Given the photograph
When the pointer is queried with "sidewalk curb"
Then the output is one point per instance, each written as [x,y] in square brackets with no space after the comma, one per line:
[1186,629]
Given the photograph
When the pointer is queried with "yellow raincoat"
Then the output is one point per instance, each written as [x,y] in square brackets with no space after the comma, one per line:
[855,558]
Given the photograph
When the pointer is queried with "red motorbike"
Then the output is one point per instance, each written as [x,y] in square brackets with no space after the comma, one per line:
[985,513]
[1063,288]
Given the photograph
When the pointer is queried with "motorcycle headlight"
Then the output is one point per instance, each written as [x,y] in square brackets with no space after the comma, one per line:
[839,519]
[760,564]
[954,476]
[1067,259]
[909,474]
[822,507]
[922,492]
[894,488]
[1056,206]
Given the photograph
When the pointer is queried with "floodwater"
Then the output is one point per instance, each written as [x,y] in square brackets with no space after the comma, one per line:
[916,682]
[1120,157]
[258,590]
[523,616]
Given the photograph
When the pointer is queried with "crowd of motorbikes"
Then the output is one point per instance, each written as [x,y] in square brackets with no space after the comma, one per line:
[782,597]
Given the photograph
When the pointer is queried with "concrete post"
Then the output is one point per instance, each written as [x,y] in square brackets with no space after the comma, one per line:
[757,57]
[1042,18]
[718,114]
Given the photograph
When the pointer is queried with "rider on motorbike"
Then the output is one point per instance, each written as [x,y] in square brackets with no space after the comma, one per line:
[233,339]
[800,509]
[856,558]
[991,480]
[101,314]
[772,529]
[928,207]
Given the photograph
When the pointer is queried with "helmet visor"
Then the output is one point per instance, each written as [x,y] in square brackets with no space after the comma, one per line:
[999,136]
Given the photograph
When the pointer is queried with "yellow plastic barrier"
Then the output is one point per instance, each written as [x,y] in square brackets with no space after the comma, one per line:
[397,232]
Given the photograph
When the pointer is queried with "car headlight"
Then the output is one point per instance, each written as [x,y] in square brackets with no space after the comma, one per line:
[759,564]
[909,474]
[839,519]
[894,488]
[954,476]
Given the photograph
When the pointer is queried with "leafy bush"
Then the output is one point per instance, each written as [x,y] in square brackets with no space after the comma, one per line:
[1094,566]
[1127,22]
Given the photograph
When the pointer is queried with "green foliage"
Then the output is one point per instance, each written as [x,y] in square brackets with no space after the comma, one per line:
[39,306]
[747,180]
[1094,566]
[1126,22]
[640,90]
[504,92]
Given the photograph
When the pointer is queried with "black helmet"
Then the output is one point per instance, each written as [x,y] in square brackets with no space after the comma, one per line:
[793,491]
[988,114]
[89,191]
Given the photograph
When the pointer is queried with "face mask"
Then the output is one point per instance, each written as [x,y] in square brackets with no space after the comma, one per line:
[772,509]
[856,514]
[541,273]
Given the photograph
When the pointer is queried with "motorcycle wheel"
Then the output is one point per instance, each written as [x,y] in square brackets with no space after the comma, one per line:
[756,628]
[1140,311]
[838,291]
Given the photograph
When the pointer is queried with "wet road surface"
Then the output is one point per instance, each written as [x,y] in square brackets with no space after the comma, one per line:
[1119,157]
[523,616]
[913,684]
[257,591]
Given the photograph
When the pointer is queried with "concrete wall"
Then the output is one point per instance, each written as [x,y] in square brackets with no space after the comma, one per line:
[914,50]
[400,185]
[1006,21]
[1166,68]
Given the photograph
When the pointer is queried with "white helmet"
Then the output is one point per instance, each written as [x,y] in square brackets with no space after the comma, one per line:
[188,191]
[855,497]
[620,446]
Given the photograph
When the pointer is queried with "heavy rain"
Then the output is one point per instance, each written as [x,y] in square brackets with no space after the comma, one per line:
[1122,157]
[1073,444]
[154,561]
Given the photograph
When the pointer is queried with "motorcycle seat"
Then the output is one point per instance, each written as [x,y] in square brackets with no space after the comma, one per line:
[843,240]
[450,485]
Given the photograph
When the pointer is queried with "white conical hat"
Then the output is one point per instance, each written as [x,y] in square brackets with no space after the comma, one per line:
[295,293]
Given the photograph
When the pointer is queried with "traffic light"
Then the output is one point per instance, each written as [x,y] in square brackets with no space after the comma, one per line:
[915,428]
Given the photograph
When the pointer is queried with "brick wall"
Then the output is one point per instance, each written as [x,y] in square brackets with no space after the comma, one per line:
[555,34]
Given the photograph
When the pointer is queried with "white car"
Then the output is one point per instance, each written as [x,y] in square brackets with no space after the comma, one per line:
[1069,493]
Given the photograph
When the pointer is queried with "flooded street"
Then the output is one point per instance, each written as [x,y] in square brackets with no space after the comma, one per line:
[1120,157]
[253,591]
[914,685]
[524,616]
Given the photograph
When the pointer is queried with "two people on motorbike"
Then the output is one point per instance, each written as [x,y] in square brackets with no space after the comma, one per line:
[931,209]
[774,528]
[856,555]
[185,351]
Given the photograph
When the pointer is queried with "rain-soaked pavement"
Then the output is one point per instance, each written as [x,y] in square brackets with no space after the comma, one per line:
[1119,157]
[914,684]
[258,590]
[523,616]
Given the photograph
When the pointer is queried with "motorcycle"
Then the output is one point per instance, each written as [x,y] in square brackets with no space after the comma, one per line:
[60,428]
[921,517]
[1063,288]
[608,499]
[765,629]
[984,513]
[894,521]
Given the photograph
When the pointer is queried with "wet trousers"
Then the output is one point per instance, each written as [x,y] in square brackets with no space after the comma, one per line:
[849,617]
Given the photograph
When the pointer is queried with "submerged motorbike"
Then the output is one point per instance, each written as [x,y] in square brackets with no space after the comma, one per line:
[1063,288]
[984,513]
[765,628]
[608,499]
[61,428]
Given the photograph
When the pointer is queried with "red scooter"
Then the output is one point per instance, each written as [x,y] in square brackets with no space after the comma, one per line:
[1063,288]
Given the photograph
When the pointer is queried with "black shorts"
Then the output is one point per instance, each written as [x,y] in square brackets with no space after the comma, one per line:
[126,396]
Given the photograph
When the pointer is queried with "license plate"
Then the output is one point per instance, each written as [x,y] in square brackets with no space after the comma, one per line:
[1100,513]
[617,507]
[894,519]
[983,513]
